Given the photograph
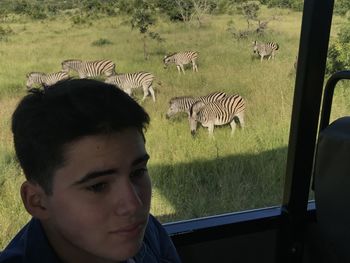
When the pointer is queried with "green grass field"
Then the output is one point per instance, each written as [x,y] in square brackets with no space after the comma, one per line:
[191,177]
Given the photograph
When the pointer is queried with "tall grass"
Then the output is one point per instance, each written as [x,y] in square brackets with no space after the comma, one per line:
[191,177]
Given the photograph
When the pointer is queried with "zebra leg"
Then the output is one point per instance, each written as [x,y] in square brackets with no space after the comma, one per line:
[151,90]
[145,92]
[240,117]
[194,66]
[178,68]
[182,68]
[261,58]
[211,129]
[233,126]
[128,91]
[82,75]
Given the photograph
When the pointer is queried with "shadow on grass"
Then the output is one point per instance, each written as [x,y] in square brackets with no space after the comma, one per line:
[222,185]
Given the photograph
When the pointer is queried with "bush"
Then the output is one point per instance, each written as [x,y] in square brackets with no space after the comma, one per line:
[4,32]
[176,10]
[80,19]
[182,10]
[339,50]
[293,4]
[104,7]
[101,42]
[341,7]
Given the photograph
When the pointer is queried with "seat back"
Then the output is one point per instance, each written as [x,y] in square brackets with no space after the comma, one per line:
[332,188]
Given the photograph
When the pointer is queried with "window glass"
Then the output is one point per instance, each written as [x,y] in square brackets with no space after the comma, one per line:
[192,175]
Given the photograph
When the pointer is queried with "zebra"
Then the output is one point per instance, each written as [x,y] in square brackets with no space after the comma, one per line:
[182,58]
[129,81]
[44,79]
[184,103]
[87,69]
[227,110]
[265,49]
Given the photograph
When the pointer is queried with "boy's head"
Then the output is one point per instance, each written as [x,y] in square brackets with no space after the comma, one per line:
[81,146]
[45,121]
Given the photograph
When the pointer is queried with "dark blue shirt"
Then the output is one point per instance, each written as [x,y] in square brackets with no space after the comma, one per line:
[30,245]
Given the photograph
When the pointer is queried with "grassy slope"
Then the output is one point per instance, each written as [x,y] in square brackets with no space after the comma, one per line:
[191,177]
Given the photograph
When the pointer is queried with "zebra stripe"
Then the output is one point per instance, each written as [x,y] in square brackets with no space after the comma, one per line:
[227,110]
[182,58]
[184,103]
[130,81]
[91,69]
[265,49]
[39,78]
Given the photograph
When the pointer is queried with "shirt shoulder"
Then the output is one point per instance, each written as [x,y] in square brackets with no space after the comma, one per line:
[30,245]
[158,243]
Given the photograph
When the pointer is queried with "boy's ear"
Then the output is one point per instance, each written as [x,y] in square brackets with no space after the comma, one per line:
[34,200]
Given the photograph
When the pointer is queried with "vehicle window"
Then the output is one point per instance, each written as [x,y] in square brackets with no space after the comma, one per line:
[233,61]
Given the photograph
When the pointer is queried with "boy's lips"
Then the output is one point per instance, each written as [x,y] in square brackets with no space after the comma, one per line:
[130,230]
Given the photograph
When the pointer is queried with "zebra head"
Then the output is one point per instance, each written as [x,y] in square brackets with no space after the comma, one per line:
[196,107]
[110,80]
[168,59]
[255,46]
[68,64]
[65,66]
[193,124]
[173,108]
[32,79]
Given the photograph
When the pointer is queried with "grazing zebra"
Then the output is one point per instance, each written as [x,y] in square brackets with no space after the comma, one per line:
[88,69]
[227,110]
[182,58]
[45,79]
[130,81]
[184,103]
[265,49]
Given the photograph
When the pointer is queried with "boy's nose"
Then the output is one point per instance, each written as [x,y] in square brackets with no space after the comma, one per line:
[128,200]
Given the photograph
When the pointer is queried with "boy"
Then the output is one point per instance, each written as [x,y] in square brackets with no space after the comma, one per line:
[81,146]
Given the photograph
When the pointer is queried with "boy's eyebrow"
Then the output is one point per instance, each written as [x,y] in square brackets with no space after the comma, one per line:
[92,175]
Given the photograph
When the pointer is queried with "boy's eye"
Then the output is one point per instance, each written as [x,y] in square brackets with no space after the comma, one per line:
[97,188]
[139,172]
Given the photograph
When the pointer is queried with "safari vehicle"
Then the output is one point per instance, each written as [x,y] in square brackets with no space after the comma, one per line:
[298,230]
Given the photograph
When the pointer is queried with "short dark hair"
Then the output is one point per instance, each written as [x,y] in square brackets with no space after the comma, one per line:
[45,121]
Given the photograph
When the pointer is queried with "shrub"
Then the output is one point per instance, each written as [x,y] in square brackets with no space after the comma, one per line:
[80,19]
[341,7]
[4,32]
[339,50]
[101,42]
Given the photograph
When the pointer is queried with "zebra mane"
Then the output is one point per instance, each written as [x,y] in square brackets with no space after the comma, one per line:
[35,72]
[69,60]
[196,107]
[170,55]
[179,98]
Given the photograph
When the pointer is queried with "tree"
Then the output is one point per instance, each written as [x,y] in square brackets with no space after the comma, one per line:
[250,11]
[143,17]
[200,8]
